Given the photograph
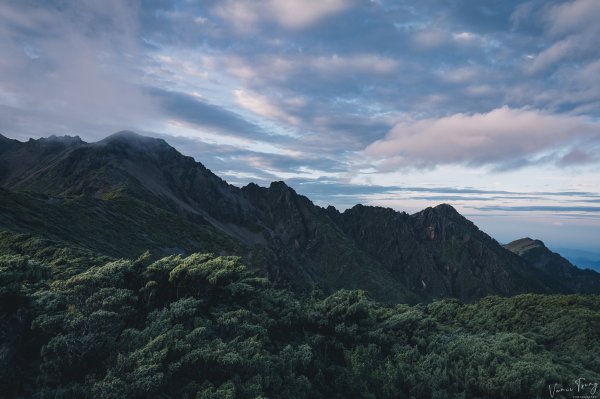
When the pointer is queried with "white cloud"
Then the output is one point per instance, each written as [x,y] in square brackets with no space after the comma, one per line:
[430,38]
[291,14]
[200,20]
[501,137]
[464,74]
[573,30]
[275,68]
[369,63]
[240,69]
[182,66]
[479,90]
[555,53]
[297,14]
[263,106]
[241,14]
[465,37]
[572,16]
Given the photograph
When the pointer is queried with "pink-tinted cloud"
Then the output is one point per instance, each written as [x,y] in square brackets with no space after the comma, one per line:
[501,137]
[263,106]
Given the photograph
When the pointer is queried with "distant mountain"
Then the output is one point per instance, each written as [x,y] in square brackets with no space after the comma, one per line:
[556,269]
[581,259]
[129,193]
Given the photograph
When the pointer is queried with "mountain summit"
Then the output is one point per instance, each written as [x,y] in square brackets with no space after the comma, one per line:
[130,193]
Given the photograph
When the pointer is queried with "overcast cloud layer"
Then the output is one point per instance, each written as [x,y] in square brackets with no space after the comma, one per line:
[348,100]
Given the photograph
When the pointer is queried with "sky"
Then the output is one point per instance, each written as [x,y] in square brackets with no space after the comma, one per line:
[490,106]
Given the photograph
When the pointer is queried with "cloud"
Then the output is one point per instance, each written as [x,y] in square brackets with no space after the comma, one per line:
[466,38]
[70,67]
[240,165]
[321,68]
[522,13]
[503,136]
[462,75]
[357,63]
[555,53]
[452,198]
[571,16]
[193,110]
[290,14]
[430,38]
[263,106]
[573,30]
[578,156]
[542,208]
[297,14]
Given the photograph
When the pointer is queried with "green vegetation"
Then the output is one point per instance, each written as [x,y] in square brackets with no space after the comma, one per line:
[74,324]
[122,226]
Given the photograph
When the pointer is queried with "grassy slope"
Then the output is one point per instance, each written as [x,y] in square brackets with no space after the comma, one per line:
[116,226]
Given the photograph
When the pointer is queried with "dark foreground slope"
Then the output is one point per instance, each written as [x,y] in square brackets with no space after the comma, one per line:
[129,193]
[78,325]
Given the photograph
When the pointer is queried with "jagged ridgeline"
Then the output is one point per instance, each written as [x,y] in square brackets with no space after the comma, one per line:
[127,194]
[130,270]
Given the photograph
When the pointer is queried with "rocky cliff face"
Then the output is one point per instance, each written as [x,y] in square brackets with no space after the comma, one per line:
[171,203]
[438,253]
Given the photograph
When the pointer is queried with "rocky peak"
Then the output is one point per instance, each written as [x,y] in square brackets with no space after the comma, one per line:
[442,211]
[374,211]
[66,140]
[125,136]
[130,141]
[524,245]
[443,222]
[280,186]
[446,209]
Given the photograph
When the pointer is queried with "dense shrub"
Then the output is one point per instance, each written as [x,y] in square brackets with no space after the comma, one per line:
[203,326]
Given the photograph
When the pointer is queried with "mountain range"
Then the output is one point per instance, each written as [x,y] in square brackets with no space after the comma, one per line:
[128,193]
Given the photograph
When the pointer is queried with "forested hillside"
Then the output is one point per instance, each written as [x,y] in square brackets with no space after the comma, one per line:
[77,324]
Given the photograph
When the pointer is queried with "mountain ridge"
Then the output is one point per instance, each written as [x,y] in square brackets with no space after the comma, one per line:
[397,257]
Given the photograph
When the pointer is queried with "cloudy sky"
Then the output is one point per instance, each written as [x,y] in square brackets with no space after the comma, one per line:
[491,106]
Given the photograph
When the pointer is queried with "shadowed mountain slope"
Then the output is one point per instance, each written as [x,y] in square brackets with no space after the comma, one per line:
[555,268]
[128,193]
